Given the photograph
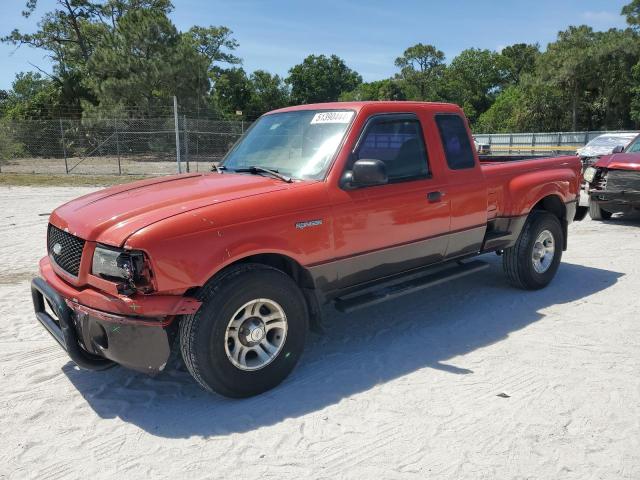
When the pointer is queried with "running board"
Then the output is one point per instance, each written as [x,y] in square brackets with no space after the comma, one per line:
[383,293]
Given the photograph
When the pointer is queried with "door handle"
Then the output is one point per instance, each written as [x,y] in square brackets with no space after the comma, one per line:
[435,196]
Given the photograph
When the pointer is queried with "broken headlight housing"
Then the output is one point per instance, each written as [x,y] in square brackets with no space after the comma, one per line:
[590,174]
[129,268]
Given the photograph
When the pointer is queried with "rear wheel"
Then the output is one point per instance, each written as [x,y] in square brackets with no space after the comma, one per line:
[533,261]
[596,212]
[249,332]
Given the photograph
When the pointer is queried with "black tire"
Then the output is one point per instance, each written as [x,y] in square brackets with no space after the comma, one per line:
[202,335]
[517,260]
[596,212]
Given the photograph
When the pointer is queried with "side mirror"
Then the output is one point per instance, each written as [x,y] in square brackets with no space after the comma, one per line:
[618,149]
[365,173]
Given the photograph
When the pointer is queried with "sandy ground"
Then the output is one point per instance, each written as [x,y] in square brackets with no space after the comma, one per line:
[107,165]
[472,379]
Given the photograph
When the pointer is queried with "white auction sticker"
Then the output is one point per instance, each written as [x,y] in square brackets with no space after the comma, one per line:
[332,117]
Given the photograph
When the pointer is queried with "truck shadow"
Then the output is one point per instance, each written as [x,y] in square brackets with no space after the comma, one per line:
[359,351]
[631,219]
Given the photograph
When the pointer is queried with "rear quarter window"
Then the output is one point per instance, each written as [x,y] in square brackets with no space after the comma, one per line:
[455,141]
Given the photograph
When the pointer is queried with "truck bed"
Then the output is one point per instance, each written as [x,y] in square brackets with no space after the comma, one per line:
[513,184]
[510,158]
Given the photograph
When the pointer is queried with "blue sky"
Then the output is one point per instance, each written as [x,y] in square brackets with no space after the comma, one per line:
[275,35]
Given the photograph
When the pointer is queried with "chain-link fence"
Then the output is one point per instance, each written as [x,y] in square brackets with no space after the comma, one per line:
[147,146]
[115,146]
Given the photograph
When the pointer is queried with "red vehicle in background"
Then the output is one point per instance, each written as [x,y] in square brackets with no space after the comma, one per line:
[334,202]
[613,182]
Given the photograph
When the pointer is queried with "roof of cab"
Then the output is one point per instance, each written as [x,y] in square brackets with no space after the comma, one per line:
[385,105]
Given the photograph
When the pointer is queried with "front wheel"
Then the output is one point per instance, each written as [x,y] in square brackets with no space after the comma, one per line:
[249,332]
[533,261]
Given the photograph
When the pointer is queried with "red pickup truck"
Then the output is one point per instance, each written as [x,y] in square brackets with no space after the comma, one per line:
[333,202]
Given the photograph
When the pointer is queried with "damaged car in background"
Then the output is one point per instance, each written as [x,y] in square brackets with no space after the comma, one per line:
[604,145]
[613,182]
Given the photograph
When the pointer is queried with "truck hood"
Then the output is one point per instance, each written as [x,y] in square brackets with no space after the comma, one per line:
[111,215]
[620,161]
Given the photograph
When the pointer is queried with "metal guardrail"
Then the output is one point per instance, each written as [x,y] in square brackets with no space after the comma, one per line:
[539,143]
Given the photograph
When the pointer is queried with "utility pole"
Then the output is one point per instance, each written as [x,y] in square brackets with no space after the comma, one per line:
[64,148]
[186,140]
[177,127]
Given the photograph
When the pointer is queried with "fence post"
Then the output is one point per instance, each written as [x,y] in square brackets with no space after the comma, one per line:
[186,141]
[510,142]
[64,148]
[115,123]
[177,128]
[533,144]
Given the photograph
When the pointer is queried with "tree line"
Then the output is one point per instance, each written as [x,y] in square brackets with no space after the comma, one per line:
[119,58]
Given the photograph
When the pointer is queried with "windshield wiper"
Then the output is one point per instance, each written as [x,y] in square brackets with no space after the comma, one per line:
[255,169]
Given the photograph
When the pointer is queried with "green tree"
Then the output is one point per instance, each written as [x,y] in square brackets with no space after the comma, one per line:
[593,70]
[232,91]
[421,69]
[387,89]
[145,62]
[215,43]
[321,79]
[112,53]
[32,96]
[529,107]
[632,12]
[71,32]
[520,59]
[567,64]
[268,92]
[473,80]
[635,92]
[610,92]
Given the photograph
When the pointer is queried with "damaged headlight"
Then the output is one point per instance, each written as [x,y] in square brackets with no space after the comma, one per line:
[130,268]
[590,174]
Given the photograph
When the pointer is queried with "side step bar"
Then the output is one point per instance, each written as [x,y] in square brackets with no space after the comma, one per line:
[383,293]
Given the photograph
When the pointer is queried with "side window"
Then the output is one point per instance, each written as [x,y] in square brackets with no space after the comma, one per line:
[399,144]
[455,141]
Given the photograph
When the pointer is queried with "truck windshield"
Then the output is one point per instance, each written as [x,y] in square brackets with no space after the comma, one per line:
[634,147]
[299,144]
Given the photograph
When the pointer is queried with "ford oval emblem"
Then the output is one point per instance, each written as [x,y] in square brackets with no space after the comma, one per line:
[57,249]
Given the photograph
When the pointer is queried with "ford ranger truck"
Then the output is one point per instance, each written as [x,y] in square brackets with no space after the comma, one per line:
[349,203]
[613,182]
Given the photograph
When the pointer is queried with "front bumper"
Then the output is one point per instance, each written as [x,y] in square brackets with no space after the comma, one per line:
[623,198]
[96,339]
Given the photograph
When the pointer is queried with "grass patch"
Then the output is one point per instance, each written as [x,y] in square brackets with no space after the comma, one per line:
[23,179]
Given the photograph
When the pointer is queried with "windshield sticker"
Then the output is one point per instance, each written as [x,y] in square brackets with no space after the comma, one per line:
[331,117]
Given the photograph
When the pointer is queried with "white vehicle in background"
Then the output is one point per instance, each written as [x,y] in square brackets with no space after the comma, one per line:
[604,145]
[482,148]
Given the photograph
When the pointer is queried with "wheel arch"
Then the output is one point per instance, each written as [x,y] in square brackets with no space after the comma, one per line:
[554,205]
[291,267]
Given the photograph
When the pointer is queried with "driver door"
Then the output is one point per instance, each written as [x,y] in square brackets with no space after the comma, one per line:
[387,229]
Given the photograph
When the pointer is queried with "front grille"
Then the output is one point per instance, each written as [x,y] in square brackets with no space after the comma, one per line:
[600,182]
[65,249]
[623,180]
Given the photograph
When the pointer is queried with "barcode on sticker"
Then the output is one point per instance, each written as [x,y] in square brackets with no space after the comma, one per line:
[332,117]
